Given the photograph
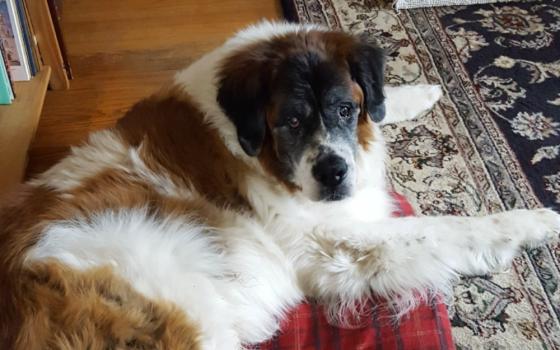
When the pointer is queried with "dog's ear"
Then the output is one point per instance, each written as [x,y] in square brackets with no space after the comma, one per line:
[367,66]
[242,94]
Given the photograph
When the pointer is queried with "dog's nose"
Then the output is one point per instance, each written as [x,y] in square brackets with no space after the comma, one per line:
[330,171]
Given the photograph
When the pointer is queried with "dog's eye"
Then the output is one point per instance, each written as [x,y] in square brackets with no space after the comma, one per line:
[294,122]
[344,112]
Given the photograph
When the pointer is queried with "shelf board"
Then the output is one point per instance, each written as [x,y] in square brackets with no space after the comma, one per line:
[18,123]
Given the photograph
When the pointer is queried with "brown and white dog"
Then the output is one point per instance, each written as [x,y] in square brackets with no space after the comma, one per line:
[215,206]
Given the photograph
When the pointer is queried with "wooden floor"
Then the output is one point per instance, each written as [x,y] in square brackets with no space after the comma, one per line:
[121,51]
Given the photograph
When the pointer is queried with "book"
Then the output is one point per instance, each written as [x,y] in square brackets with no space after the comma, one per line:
[33,39]
[12,39]
[6,90]
[28,37]
[5,61]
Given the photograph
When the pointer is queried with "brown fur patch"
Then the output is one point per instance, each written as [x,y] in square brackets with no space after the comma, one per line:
[94,309]
[365,129]
[24,218]
[20,226]
[117,190]
[174,139]
[365,134]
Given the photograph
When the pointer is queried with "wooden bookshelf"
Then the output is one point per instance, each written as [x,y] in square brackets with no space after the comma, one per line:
[44,31]
[18,123]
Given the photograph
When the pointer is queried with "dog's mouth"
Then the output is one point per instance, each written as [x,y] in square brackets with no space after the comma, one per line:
[334,194]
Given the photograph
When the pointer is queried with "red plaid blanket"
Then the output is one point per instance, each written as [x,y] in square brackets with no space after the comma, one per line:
[425,328]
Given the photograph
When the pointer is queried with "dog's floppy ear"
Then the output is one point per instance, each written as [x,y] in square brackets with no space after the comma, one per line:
[242,94]
[367,66]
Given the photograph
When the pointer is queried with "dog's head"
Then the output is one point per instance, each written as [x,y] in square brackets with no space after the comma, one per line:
[302,103]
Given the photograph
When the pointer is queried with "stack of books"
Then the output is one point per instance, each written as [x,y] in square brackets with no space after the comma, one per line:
[20,54]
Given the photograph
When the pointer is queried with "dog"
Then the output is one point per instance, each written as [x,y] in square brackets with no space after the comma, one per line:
[255,179]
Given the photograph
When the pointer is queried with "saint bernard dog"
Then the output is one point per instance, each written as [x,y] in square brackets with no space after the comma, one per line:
[254,180]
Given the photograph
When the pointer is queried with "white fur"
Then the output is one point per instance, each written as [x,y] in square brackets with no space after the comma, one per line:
[171,260]
[238,280]
[104,150]
[409,101]
[160,181]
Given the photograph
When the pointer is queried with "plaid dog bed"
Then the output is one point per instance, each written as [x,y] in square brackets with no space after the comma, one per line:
[425,328]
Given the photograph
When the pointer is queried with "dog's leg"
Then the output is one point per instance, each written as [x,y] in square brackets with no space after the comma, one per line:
[407,102]
[398,257]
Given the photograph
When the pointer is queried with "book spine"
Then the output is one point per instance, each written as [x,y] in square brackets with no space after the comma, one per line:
[6,90]
[34,46]
[27,37]
[19,65]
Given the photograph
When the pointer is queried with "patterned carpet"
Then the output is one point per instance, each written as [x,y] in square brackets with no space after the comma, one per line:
[492,143]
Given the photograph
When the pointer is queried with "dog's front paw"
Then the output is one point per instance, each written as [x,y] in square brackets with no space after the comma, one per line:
[548,223]
[534,227]
[433,94]
[407,102]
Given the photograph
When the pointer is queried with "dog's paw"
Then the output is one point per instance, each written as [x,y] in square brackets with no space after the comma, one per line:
[407,102]
[534,227]
[433,93]
[548,224]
